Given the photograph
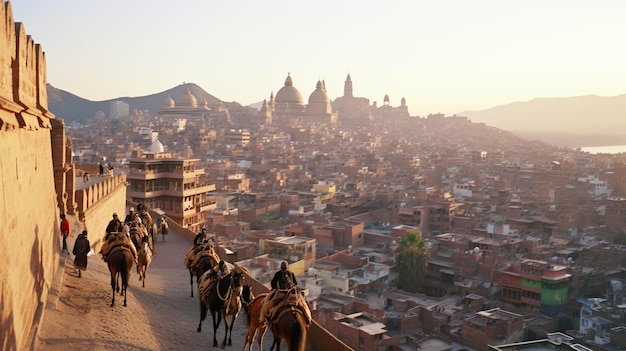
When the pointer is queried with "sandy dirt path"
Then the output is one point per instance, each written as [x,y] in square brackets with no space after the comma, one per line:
[161,316]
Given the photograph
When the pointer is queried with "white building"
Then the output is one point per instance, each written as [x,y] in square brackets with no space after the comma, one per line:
[118,109]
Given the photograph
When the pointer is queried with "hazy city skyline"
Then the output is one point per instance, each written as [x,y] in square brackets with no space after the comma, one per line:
[447,57]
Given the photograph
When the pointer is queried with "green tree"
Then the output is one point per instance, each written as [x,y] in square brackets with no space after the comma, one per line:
[411,260]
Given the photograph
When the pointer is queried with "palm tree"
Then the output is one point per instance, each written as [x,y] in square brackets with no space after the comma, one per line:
[411,259]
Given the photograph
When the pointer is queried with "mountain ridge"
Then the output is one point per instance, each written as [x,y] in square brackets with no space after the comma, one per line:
[587,120]
[599,120]
[73,108]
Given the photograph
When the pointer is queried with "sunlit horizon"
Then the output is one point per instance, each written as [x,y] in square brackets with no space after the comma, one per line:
[446,57]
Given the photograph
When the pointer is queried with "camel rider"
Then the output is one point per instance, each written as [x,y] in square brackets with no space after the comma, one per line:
[283,281]
[207,250]
[199,243]
[115,225]
[146,218]
[220,270]
[118,239]
[136,225]
[130,216]
[199,240]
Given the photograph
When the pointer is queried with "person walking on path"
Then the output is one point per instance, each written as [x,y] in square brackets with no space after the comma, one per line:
[65,231]
[81,249]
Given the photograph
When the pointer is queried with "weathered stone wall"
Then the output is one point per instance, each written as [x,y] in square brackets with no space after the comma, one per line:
[30,231]
[29,216]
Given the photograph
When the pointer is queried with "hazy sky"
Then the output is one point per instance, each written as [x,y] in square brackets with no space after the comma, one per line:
[442,56]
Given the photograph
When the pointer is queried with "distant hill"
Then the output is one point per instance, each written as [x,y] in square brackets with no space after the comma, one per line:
[570,121]
[74,108]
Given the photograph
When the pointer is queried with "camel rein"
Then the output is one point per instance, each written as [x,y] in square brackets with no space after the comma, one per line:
[230,289]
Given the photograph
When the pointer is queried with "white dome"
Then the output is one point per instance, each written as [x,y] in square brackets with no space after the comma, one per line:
[156,147]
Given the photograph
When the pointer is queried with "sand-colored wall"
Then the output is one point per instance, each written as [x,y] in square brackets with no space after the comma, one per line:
[30,232]
[29,215]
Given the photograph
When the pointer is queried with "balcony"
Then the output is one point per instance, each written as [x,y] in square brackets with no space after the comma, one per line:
[169,192]
[198,208]
[530,302]
[206,207]
[152,174]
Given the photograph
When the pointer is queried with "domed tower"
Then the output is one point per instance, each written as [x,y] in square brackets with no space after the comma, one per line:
[168,103]
[187,100]
[319,103]
[386,100]
[289,98]
[156,147]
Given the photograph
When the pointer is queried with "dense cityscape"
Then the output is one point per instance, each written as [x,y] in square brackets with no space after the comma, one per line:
[373,228]
[524,239]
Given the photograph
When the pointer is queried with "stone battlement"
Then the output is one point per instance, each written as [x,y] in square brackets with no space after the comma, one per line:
[23,95]
[90,195]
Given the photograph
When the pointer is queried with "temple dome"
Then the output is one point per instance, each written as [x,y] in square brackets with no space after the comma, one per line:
[156,147]
[319,103]
[187,100]
[288,94]
[168,103]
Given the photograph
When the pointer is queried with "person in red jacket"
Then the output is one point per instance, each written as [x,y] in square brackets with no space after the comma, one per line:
[65,231]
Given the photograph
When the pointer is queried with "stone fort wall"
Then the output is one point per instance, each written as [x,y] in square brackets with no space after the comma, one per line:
[29,216]
[37,184]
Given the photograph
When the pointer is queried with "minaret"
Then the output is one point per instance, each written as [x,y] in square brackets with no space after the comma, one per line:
[265,114]
[347,87]
[271,105]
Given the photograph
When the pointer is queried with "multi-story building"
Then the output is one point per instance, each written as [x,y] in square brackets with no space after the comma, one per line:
[595,318]
[293,249]
[174,185]
[118,109]
[599,317]
[495,326]
[536,284]
[237,137]
[432,219]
